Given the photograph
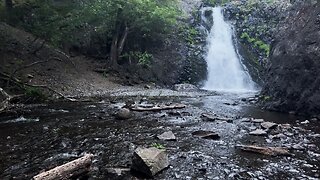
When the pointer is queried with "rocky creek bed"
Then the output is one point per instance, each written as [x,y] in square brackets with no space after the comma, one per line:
[46,135]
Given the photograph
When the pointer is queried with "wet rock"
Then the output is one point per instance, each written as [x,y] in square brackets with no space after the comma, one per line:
[213,117]
[208,117]
[206,134]
[298,147]
[123,114]
[305,122]
[245,120]
[257,120]
[184,113]
[118,171]
[315,135]
[270,151]
[167,136]
[149,161]
[278,136]
[147,87]
[268,125]
[285,126]
[174,113]
[185,87]
[30,76]
[258,132]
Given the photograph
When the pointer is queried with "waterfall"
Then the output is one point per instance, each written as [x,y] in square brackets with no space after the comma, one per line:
[225,70]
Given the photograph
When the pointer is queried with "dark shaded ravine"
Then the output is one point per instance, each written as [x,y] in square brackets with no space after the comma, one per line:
[49,135]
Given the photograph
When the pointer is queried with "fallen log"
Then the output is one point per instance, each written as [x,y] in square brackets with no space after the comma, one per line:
[70,169]
[270,151]
[159,108]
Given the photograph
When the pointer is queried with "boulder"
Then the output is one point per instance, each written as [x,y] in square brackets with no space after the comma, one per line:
[123,113]
[167,136]
[149,161]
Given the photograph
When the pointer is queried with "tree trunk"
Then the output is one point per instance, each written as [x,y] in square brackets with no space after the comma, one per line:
[9,4]
[114,51]
[123,40]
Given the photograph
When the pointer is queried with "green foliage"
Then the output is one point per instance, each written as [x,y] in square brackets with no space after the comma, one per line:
[265,98]
[158,146]
[34,93]
[256,43]
[144,58]
[189,34]
[79,21]
[216,2]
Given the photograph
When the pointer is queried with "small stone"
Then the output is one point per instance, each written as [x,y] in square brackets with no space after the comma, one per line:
[206,134]
[118,171]
[305,122]
[268,125]
[30,76]
[292,112]
[147,87]
[149,161]
[298,147]
[245,120]
[185,87]
[257,120]
[167,136]
[123,113]
[315,135]
[258,132]
[285,126]
[314,119]
[278,136]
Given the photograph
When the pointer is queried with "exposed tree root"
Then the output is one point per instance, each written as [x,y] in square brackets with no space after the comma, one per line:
[23,85]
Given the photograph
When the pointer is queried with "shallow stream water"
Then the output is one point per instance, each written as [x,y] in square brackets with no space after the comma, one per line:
[44,136]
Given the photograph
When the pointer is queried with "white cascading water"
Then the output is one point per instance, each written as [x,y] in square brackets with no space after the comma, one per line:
[225,70]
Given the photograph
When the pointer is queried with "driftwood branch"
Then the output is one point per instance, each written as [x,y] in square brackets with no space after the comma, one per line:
[6,99]
[70,169]
[159,108]
[270,151]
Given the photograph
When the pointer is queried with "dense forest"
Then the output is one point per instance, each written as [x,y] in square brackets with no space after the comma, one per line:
[162,89]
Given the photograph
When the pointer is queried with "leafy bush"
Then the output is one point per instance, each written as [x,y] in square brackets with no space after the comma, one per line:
[34,94]
[256,43]
[157,145]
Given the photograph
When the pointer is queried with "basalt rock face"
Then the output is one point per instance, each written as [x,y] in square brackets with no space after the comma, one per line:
[293,80]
